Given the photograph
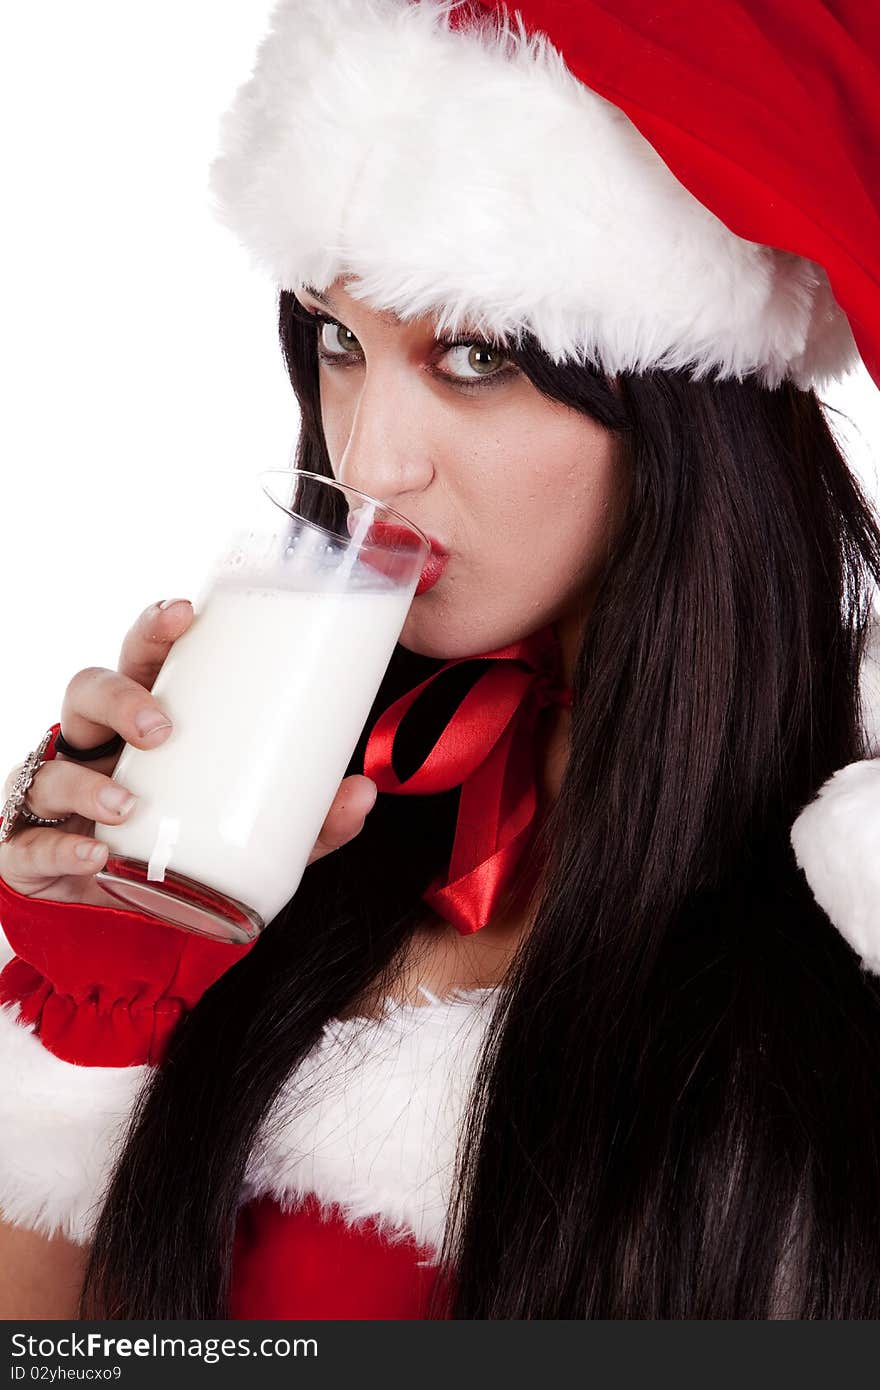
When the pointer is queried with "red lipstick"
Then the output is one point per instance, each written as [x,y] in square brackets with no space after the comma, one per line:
[432,571]
[396,561]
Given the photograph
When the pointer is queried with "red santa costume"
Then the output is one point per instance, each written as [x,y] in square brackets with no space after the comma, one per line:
[640,186]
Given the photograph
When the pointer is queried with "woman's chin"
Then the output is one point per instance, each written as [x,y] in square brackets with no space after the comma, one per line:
[422,644]
[434,636]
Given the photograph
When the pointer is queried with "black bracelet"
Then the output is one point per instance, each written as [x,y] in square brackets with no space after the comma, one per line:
[89,755]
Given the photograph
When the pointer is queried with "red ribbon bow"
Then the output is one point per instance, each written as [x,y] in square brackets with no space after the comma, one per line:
[489,749]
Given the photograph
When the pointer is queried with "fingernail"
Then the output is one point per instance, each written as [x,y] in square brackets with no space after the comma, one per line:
[170,602]
[150,721]
[86,851]
[116,799]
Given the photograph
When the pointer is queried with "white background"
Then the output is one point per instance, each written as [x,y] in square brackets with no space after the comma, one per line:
[141,376]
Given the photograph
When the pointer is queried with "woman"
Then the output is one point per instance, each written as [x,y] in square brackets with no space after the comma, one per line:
[622,1059]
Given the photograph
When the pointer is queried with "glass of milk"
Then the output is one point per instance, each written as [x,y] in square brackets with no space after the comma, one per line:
[268,690]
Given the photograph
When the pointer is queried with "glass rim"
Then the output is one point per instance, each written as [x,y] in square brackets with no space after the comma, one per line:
[332,482]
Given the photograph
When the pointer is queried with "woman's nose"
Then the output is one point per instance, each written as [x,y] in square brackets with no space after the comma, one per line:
[389,451]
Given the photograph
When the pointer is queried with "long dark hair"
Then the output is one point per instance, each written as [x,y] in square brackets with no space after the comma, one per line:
[677,1111]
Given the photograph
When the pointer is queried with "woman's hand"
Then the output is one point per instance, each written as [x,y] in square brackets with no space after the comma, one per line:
[56,861]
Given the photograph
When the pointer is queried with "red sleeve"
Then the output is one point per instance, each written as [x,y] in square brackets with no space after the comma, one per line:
[103,986]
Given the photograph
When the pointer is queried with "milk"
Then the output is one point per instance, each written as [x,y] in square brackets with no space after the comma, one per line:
[269,690]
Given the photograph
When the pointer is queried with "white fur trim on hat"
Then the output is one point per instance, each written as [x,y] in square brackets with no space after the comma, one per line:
[468,174]
[836,838]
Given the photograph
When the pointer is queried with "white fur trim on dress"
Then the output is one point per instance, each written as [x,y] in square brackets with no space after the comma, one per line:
[471,175]
[836,838]
[381,1104]
[371,1121]
[60,1128]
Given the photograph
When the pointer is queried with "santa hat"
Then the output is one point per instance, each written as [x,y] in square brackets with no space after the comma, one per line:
[638,186]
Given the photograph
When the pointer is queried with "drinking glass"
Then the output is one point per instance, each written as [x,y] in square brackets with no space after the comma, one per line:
[268,691]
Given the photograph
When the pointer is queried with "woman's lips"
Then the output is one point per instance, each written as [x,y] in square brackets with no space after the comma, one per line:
[397,562]
[431,573]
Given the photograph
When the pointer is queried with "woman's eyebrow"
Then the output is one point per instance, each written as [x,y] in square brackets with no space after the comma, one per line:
[322,299]
[386,316]
[393,321]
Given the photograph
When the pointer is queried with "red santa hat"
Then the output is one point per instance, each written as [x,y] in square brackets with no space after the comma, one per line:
[639,186]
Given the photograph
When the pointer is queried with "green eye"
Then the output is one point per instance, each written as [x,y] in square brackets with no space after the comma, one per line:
[482,358]
[485,363]
[340,338]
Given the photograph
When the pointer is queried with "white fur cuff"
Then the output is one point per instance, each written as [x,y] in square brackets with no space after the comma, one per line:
[59,1129]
